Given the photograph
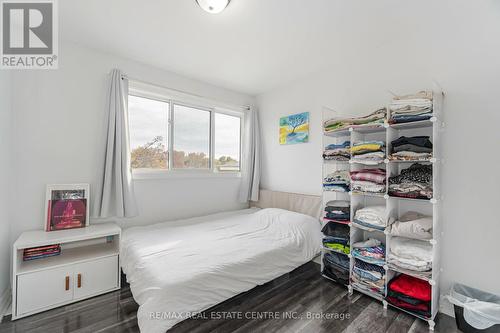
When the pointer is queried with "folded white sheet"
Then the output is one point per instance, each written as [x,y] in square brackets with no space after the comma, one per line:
[372,214]
[177,269]
[413,225]
[410,254]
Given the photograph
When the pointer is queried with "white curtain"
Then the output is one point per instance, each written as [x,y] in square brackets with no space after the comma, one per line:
[115,193]
[250,172]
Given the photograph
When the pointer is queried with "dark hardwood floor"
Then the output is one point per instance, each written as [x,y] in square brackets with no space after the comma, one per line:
[301,293]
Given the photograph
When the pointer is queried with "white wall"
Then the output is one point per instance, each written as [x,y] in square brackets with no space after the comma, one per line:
[5,174]
[58,132]
[463,55]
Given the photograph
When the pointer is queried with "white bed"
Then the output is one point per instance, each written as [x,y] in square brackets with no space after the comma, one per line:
[179,268]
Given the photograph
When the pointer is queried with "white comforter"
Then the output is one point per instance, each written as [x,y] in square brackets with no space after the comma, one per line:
[176,269]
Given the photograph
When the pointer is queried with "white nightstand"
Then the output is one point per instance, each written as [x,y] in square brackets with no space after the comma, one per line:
[89,265]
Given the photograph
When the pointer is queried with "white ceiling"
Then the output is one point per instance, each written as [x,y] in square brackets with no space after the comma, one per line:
[253,46]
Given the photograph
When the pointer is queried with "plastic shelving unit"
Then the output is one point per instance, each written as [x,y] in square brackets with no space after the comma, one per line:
[395,206]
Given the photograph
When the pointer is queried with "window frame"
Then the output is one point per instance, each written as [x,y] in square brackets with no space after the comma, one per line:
[191,102]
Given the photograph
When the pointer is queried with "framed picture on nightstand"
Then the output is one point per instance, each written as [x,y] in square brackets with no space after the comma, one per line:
[66,206]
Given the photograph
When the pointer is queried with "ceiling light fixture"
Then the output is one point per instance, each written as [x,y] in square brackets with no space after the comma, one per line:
[213,6]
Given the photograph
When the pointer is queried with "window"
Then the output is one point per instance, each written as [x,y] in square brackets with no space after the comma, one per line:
[191,138]
[227,142]
[148,122]
[174,135]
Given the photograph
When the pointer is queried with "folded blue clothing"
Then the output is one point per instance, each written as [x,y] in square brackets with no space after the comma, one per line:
[369,267]
[340,217]
[337,187]
[365,274]
[333,146]
[369,142]
[407,118]
[338,240]
[336,259]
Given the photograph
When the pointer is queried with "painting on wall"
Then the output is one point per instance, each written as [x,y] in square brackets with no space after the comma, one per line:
[294,128]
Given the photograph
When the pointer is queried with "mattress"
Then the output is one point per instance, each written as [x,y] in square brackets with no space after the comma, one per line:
[178,269]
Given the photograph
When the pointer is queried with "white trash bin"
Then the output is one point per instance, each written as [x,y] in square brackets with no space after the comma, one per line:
[475,310]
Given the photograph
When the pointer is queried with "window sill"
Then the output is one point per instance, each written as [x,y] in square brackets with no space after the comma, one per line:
[180,174]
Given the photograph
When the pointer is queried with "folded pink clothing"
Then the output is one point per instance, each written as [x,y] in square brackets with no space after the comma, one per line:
[370,175]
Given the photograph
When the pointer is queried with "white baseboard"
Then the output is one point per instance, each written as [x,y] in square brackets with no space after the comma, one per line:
[5,301]
[317,259]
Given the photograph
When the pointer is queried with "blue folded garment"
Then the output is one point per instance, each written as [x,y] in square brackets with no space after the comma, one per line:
[333,146]
[336,259]
[406,118]
[337,240]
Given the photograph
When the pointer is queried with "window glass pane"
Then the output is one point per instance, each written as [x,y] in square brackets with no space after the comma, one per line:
[148,125]
[227,142]
[191,138]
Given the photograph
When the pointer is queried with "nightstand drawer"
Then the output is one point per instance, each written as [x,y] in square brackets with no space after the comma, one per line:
[94,277]
[44,289]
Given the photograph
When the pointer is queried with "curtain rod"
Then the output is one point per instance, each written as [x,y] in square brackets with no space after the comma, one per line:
[246,107]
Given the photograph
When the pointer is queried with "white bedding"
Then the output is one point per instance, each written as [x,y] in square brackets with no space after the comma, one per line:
[184,267]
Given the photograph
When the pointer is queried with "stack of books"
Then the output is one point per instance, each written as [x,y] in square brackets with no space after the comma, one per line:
[41,252]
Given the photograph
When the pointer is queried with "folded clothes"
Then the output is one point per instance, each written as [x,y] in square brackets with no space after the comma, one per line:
[424,94]
[338,210]
[342,187]
[411,294]
[336,240]
[368,187]
[411,147]
[343,145]
[366,251]
[420,143]
[337,206]
[367,147]
[337,155]
[334,271]
[372,272]
[413,182]
[413,107]
[338,152]
[368,276]
[368,180]
[373,158]
[337,216]
[337,246]
[336,259]
[408,119]
[336,124]
[332,229]
[411,254]
[413,225]
[371,175]
[411,191]
[371,217]
[411,287]
[337,181]
[422,309]
[410,156]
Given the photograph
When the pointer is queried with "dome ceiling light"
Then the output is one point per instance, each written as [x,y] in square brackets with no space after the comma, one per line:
[213,6]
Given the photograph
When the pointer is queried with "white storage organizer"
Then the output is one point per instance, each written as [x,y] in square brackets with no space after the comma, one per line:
[395,207]
[88,265]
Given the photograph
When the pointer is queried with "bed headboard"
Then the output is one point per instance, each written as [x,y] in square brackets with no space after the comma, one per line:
[295,202]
